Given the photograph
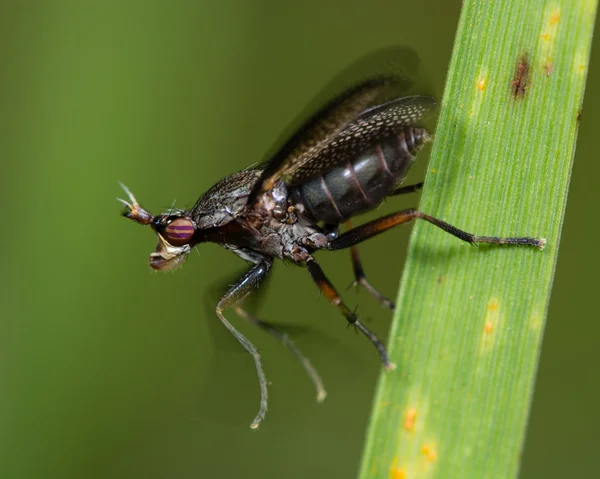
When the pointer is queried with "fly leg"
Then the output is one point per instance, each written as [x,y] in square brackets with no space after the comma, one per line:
[360,277]
[359,273]
[234,295]
[334,298]
[284,339]
[407,189]
[373,228]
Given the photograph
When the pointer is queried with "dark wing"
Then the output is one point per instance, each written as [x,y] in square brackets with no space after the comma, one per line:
[372,126]
[319,131]
[375,78]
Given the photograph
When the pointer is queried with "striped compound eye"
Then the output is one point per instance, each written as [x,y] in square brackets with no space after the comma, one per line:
[179,231]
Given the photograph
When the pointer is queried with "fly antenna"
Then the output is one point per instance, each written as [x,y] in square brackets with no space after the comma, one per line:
[133,210]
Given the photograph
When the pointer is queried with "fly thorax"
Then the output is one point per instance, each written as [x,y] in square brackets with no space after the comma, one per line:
[225,200]
[276,202]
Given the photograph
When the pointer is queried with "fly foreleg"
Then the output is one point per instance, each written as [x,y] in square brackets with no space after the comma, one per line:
[284,339]
[234,295]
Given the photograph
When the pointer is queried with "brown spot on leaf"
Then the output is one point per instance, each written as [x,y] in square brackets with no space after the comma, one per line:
[520,81]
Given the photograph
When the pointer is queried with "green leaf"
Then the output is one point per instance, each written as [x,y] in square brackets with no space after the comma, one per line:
[468,329]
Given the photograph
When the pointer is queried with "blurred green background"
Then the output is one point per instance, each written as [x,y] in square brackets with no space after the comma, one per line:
[111,371]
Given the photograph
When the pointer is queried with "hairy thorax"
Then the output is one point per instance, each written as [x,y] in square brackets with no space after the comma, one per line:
[276,226]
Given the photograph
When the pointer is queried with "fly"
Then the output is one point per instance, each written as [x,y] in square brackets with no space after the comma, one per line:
[345,160]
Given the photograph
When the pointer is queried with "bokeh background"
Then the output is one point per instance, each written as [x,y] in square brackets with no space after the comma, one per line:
[109,370]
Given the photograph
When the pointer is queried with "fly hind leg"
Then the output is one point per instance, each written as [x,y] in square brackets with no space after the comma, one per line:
[375,227]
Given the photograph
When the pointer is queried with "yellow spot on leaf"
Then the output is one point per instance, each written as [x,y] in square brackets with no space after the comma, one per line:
[480,84]
[548,36]
[491,320]
[397,474]
[580,62]
[395,471]
[434,171]
[409,419]
[536,321]
[429,452]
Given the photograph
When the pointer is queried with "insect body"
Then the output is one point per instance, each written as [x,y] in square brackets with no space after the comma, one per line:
[345,160]
[361,184]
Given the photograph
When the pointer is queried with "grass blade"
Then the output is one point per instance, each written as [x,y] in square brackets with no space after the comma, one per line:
[468,330]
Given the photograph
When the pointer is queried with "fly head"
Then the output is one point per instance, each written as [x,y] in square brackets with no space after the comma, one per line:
[175,231]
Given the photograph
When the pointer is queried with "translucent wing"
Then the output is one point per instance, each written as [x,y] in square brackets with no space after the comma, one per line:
[395,70]
[371,127]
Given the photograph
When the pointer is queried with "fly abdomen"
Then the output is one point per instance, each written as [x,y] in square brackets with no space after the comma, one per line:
[364,181]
